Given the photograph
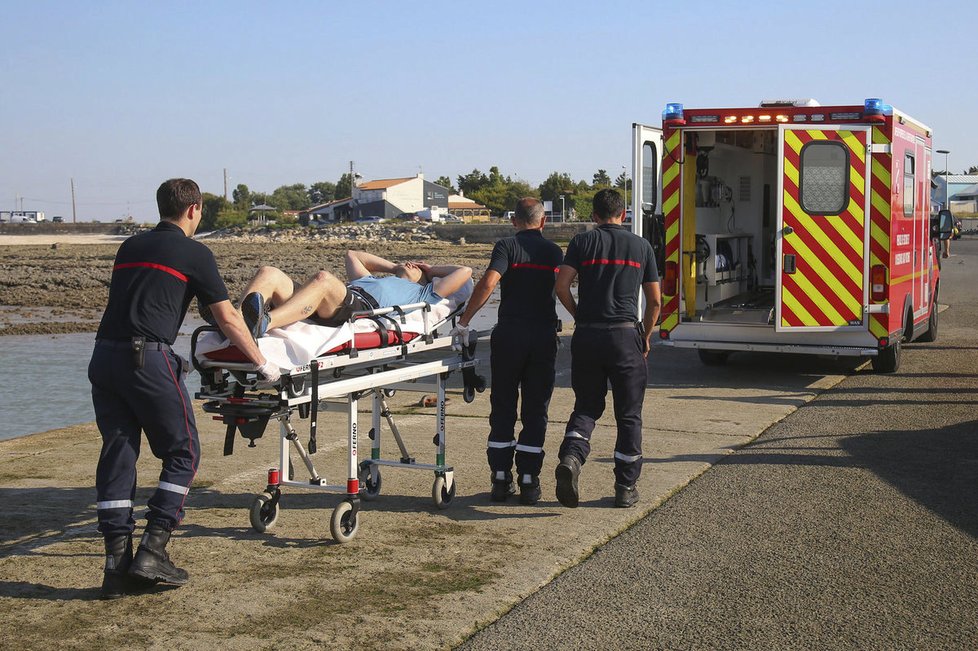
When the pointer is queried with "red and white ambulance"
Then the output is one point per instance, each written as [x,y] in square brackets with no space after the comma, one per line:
[790,227]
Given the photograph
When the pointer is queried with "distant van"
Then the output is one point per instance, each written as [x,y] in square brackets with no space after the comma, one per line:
[509,214]
[57,219]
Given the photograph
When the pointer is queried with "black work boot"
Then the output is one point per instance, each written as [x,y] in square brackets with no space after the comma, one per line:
[625,496]
[529,489]
[502,486]
[151,560]
[118,558]
[567,472]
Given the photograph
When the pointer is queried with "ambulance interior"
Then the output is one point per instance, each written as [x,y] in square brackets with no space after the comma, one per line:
[735,224]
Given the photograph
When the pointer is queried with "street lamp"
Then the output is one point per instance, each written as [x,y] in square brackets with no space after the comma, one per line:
[947,172]
[563,215]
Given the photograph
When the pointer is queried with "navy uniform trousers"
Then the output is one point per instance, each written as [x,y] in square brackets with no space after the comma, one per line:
[522,362]
[600,355]
[128,401]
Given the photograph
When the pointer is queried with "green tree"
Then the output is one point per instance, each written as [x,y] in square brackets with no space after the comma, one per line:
[581,203]
[212,205]
[601,179]
[475,180]
[446,182]
[557,183]
[257,199]
[290,197]
[230,217]
[242,197]
[322,192]
[343,187]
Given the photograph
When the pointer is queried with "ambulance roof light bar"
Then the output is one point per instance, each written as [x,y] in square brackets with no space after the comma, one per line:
[778,103]
[874,110]
[672,115]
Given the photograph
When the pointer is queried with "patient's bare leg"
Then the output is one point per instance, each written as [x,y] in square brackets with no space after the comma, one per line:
[272,283]
[322,294]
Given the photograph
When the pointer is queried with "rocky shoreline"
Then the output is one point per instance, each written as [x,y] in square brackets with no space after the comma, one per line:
[72,278]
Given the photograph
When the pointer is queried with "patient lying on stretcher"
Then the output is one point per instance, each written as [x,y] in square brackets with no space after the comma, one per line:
[273,301]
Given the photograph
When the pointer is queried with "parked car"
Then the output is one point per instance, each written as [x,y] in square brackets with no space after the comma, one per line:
[57,219]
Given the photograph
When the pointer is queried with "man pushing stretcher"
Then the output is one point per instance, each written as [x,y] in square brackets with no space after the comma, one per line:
[272,300]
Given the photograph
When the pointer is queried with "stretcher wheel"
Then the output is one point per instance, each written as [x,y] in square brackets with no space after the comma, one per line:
[443,496]
[343,524]
[264,511]
[468,393]
[370,490]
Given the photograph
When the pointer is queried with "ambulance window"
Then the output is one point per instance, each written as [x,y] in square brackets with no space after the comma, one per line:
[650,158]
[909,187]
[824,177]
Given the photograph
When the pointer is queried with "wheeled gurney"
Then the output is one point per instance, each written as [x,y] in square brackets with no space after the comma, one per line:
[375,354]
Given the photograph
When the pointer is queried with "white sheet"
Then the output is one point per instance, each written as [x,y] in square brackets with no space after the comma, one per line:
[299,343]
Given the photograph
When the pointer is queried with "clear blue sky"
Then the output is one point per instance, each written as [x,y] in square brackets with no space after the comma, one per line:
[122,95]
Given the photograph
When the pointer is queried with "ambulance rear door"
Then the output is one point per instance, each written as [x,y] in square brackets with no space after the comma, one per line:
[647,186]
[823,228]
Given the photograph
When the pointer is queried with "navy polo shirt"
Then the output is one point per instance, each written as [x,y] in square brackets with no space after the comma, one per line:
[612,263]
[155,276]
[528,264]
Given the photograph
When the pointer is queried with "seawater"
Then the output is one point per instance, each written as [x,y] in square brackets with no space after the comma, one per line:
[46,376]
[46,380]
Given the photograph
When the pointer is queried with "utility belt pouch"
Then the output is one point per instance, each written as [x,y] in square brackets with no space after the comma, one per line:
[138,351]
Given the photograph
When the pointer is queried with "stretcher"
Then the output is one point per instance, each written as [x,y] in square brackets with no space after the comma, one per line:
[373,355]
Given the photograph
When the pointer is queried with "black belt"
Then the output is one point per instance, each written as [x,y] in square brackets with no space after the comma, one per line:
[364,296]
[127,343]
[607,326]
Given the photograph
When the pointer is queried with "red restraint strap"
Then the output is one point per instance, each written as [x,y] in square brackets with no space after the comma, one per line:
[151,265]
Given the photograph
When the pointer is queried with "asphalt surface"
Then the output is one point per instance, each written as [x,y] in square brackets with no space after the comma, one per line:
[850,524]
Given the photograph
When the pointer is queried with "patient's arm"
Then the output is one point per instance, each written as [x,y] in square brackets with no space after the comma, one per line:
[361,263]
[446,279]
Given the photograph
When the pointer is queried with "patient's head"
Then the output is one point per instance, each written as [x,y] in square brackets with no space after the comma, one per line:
[410,272]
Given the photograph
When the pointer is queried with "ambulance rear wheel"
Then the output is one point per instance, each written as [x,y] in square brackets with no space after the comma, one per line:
[441,495]
[713,357]
[343,524]
[370,490]
[931,334]
[264,512]
[888,360]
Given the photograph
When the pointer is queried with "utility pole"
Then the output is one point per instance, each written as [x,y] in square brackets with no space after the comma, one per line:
[74,219]
[225,184]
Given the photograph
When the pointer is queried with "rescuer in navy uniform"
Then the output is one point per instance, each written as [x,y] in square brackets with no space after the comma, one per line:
[138,383]
[524,349]
[609,344]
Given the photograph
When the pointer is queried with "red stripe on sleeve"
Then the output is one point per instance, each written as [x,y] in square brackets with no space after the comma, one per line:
[151,265]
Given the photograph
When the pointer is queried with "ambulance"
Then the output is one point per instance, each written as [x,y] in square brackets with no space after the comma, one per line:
[790,227]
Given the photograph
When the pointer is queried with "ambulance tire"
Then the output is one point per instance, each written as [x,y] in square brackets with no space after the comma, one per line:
[713,357]
[931,334]
[888,361]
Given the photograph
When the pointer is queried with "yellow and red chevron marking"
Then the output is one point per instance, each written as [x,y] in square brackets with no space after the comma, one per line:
[671,191]
[827,286]
[879,223]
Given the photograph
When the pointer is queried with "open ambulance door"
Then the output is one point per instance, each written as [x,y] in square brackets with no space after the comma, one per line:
[647,220]
[823,228]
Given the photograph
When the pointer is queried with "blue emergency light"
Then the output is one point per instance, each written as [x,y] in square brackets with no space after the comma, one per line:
[673,114]
[874,109]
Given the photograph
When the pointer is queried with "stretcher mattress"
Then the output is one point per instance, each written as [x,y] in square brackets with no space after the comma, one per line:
[299,343]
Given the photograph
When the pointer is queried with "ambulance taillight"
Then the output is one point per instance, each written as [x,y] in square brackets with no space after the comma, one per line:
[877,280]
[670,280]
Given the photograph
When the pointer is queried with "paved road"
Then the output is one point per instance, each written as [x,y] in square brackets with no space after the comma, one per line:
[851,524]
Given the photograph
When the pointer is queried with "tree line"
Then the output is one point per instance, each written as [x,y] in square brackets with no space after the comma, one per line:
[497,192]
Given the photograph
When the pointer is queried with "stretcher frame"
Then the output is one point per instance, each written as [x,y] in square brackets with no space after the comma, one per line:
[236,395]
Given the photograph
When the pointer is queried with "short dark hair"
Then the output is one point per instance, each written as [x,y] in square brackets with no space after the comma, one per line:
[176,195]
[529,211]
[607,203]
